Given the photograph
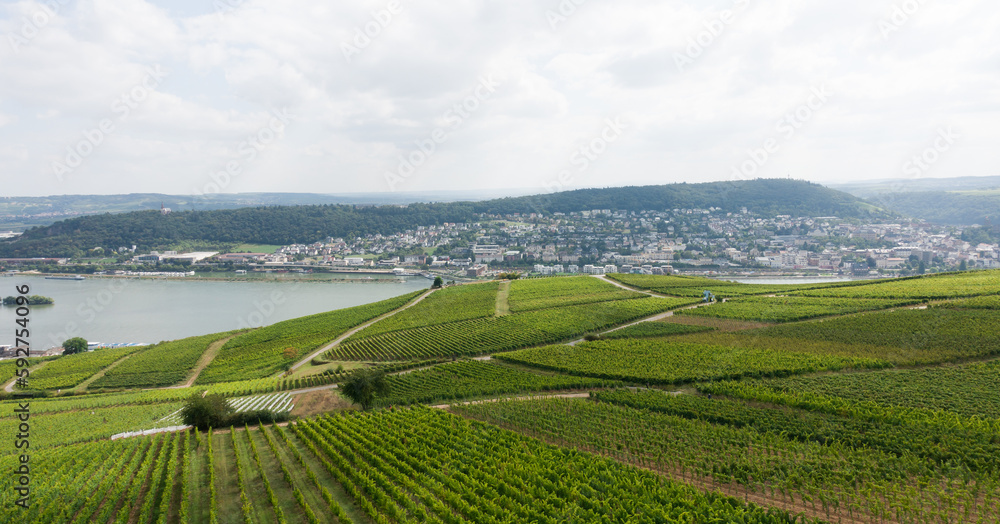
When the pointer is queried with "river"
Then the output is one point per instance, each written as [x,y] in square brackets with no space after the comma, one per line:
[122,310]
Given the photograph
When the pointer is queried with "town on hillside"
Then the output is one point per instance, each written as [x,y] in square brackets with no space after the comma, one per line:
[695,241]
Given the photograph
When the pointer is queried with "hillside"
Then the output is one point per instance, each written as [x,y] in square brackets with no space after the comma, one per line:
[310,223]
[956,201]
[960,208]
[20,213]
[873,188]
[763,196]
[884,410]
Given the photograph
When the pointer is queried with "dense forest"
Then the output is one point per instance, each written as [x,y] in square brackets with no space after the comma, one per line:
[762,196]
[305,224]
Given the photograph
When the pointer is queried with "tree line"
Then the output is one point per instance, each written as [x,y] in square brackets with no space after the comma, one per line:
[283,225]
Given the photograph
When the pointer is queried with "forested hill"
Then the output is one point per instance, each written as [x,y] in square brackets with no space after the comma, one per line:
[762,196]
[279,225]
[304,224]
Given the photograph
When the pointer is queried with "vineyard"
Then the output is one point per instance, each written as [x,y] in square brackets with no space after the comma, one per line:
[971,448]
[804,407]
[654,329]
[925,336]
[487,335]
[266,351]
[968,390]
[543,293]
[671,361]
[164,364]
[82,425]
[469,379]
[261,476]
[685,286]
[451,304]
[69,370]
[831,480]
[774,309]
[929,287]
[427,466]
[984,302]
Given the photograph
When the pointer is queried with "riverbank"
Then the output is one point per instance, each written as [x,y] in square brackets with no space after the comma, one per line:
[116,309]
[232,277]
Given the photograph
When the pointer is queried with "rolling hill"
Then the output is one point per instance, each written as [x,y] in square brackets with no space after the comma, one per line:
[311,223]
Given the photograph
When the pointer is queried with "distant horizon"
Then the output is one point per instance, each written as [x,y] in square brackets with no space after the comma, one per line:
[184,97]
[503,192]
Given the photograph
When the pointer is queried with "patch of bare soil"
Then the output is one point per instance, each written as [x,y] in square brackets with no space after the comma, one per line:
[323,401]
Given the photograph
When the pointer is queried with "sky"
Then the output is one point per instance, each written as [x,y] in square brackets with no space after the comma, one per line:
[195,97]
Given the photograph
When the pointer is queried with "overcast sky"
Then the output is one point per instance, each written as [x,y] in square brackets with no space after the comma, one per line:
[185,96]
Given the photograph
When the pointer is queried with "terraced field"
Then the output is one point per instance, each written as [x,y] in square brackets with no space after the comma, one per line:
[451,304]
[542,293]
[487,335]
[266,351]
[164,364]
[676,361]
[470,379]
[687,286]
[773,309]
[855,408]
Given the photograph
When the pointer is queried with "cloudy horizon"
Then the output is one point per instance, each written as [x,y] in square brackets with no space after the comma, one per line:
[185,97]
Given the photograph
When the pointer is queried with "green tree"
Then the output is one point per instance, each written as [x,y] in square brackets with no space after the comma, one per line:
[364,385]
[438,282]
[964,266]
[922,268]
[74,345]
[210,411]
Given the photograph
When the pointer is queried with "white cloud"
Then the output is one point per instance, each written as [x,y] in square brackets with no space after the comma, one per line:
[355,117]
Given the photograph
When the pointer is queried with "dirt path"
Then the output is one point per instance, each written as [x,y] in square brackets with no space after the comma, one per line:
[503,308]
[96,376]
[654,318]
[343,337]
[585,394]
[623,286]
[9,387]
[206,358]
[310,390]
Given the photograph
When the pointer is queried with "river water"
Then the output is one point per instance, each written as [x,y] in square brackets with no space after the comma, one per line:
[120,310]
